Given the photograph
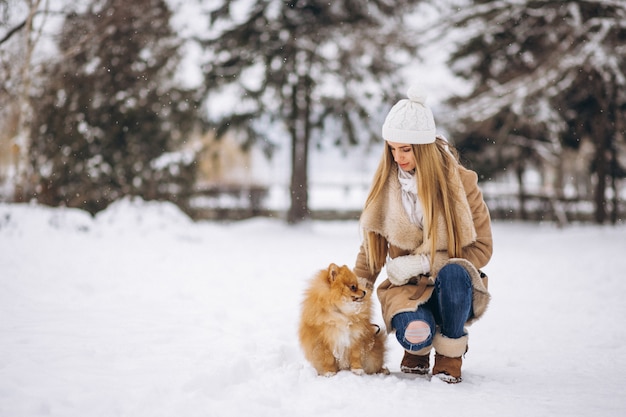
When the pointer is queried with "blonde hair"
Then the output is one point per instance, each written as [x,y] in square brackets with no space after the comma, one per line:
[436,164]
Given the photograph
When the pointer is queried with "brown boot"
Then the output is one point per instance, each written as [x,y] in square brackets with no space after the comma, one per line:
[448,357]
[415,364]
[448,369]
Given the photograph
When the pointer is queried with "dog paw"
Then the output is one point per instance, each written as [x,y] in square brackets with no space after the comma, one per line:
[329,374]
[384,371]
[358,371]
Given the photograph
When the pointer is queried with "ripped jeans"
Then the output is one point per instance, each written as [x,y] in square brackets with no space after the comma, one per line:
[449,307]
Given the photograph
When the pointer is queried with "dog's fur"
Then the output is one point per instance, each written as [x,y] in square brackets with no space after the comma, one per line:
[336,332]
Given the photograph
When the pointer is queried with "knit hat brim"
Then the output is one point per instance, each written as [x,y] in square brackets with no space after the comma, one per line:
[410,137]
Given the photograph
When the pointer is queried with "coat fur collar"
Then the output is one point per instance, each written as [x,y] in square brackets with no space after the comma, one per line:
[387,217]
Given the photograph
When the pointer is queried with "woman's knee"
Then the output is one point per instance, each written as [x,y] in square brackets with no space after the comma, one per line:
[414,330]
[454,278]
[417,332]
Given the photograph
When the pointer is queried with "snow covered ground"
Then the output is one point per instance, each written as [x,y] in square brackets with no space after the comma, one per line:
[141,312]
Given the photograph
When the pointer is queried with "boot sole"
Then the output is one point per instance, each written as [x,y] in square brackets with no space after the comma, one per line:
[414,371]
[449,379]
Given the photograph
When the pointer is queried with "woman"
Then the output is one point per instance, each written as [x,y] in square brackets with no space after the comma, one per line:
[426,214]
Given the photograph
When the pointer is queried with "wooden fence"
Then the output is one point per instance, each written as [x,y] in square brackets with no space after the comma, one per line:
[228,202]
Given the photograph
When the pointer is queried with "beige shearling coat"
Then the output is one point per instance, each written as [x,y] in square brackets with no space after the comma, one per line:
[387,217]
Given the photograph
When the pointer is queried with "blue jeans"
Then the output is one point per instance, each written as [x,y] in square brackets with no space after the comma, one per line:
[449,307]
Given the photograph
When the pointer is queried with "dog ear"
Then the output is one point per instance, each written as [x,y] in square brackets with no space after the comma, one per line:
[333,270]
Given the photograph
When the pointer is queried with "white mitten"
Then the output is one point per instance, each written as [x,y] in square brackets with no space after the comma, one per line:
[402,268]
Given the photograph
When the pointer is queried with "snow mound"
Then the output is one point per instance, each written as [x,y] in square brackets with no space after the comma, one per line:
[19,219]
[140,215]
[121,216]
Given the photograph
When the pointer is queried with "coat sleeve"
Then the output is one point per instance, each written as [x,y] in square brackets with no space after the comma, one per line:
[361,267]
[479,252]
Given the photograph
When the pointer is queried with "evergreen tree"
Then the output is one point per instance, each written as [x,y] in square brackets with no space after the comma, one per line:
[109,109]
[545,75]
[310,68]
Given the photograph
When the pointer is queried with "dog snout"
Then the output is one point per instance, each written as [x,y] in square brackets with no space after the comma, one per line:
[360,297]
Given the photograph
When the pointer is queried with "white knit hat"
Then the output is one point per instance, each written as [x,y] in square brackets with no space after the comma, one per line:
[410,121]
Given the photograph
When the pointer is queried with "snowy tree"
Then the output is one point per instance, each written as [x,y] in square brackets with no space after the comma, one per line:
[19,38]
[109,110]
[311,70]
[546,75]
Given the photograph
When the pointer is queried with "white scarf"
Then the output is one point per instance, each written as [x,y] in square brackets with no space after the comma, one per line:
[410,199]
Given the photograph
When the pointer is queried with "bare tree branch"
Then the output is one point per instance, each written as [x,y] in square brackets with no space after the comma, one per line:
[13,31]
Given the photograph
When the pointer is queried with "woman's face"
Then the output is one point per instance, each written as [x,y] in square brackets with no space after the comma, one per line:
[403,155]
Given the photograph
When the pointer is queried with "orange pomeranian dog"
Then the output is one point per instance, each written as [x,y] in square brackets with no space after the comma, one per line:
[335,328]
